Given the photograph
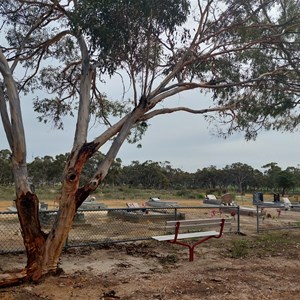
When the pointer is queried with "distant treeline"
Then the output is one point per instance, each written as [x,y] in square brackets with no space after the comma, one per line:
[237,177]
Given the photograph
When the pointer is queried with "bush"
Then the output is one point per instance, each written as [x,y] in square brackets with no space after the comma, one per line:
[239,249]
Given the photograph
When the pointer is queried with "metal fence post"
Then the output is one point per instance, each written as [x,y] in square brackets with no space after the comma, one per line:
[257,218]
[239,219]
[113,225]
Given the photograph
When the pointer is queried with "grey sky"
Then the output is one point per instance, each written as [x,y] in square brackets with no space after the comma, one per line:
[183,139]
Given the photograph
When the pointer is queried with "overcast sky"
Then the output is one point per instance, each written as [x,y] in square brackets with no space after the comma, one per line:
[182,139]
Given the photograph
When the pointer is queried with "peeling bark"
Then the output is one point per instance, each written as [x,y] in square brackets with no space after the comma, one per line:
[15,278]
[34,238]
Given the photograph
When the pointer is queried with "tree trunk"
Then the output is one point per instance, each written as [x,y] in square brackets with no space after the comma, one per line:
[43,251]
[34,238]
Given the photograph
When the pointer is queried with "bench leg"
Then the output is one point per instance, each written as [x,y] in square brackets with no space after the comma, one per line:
[191,247]
[191,253]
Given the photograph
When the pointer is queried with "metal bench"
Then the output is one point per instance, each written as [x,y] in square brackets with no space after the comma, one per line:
[190,229]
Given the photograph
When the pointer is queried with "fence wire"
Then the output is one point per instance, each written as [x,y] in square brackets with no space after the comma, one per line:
[275,216]
[111,225]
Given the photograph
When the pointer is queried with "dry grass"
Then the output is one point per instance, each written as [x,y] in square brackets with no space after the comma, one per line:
[119,196]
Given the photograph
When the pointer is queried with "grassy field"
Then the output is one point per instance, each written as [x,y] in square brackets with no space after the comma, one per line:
[119,196]
[50,193]
[112,196]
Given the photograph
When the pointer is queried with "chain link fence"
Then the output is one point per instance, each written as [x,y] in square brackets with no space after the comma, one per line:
[276,216]
[112,225]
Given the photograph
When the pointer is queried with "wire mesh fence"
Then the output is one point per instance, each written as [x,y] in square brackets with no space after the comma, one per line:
[111,225]
[10,234]
[276,216]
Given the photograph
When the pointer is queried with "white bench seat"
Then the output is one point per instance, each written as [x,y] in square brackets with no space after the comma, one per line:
[188,235]
[197,225]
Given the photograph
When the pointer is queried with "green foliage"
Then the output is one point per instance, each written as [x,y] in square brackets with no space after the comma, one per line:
[149,174]
[244,53]
[137,132]
[269,238]
[189,194]
[6,175]
[262,245]
[241,175]
[236,178]
[47,170]
[286,180]
[269,64]
[7,192]
[273,243]
[126,192]
[239,248]
[248,54]
[121,30]
[240,50]
[201,196]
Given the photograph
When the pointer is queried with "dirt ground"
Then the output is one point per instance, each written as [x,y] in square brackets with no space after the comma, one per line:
[252,266]
[264,266]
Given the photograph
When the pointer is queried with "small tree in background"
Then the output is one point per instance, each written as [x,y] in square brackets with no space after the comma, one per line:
[285,180]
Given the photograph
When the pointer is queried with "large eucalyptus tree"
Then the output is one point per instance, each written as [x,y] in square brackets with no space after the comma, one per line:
[245,52]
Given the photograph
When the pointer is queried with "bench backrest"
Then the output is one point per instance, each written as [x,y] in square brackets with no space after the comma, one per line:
[195,224]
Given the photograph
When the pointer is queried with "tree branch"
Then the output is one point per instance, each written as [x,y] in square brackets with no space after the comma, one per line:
[185,109]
